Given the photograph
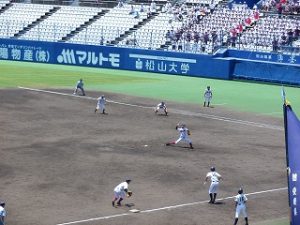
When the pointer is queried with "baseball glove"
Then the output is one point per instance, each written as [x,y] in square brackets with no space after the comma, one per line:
[129,194]
[189,132]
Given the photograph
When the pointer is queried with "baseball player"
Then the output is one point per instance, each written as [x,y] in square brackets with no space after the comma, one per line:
[120,192]
[79,85]
[2,213]
[161,107]
[214,177]
[240,206]
[184,133]
[207,96]
[101,101]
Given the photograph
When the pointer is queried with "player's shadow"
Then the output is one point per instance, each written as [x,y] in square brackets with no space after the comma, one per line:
[219,203]
[164,115]
[182,147]
[129,205]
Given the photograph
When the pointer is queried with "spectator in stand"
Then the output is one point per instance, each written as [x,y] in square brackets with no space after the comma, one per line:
[180,42]
[153,7]
[102,40]
[142,8]
[290,37]
[132,11]
[296,33]
[283,39]
[120,3]
[248,22]
[205,38]
[212,6]
[168,35]
[275,45]
[255,16]
[233,37]
[279,9]
[148,12]
[168,7]
[196,36]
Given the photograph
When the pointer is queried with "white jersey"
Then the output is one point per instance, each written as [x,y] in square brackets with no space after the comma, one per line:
[101,101]
[240,199]
[121,187]
[208,93]
[183,132]
[214,176]
[161,106]
[2,213]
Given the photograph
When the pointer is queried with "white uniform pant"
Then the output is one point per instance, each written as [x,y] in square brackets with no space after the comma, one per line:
[100,106]
[159,109]
[240,209]
[120,194]
[186,139]
[207,99]
[213,187]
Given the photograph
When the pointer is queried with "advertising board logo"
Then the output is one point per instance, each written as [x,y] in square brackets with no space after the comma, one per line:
[67,56]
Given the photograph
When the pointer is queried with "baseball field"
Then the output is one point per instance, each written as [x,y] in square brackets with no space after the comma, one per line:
[60,161]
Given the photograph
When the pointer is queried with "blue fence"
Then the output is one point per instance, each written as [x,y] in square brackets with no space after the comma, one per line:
[228,65]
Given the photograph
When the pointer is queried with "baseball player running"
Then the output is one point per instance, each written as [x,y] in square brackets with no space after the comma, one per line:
[207,96]
[161,107]
[240,206]
[79,85]
[120,192]
[101,101]
[214,177]
[184,133]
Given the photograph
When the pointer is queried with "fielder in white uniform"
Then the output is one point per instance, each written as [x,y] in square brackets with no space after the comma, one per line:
[2,213]
[161,107]
[215,178]
[120,192]
[207,96]
[184,133]
[101,101]
[240,206]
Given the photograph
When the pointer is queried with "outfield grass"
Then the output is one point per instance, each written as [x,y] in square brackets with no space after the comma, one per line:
[241,96]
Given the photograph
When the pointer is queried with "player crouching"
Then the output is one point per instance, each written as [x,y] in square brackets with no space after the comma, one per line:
[161,107]
[184,134]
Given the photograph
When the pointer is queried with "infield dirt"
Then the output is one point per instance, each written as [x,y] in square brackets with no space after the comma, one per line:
[60,161]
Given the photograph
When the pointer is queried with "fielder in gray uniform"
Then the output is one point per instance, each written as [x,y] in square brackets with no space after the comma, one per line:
[214,177]
[79,85]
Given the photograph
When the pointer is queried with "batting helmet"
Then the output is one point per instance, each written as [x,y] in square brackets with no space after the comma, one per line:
[240,191]
[2,203]
[212,168]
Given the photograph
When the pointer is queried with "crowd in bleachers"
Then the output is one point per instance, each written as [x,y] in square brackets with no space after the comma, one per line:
[281,6]
[205,27]
[178,27]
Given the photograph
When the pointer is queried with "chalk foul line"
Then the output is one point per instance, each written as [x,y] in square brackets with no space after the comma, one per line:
[169,207]
[208,116]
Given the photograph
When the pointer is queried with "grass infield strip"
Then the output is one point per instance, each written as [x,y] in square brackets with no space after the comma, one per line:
[241,96]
